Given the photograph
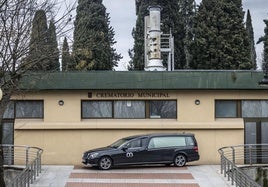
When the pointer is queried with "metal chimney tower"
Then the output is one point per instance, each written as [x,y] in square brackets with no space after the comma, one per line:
[153,40]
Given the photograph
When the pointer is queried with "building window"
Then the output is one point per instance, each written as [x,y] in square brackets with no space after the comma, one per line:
[243,108]
[129,109]
[227,109]
[163,109]
[97,109]
[10,111]
[29,109]
[257,109]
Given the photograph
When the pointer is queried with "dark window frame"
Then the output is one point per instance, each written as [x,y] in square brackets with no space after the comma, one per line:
[144,101]
[97,101]
[238,108]
[14,102]
[13,115]
[36,100]
[176,105]
[253,117]
[146,110]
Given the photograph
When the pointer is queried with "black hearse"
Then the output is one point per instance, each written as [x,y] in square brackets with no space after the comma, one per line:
[167,149]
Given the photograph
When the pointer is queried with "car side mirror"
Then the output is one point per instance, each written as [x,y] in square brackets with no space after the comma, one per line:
[124,148]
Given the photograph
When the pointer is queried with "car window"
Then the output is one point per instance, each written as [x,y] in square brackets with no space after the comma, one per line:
[173,141]
[136,143]
[190,141]
[118,143]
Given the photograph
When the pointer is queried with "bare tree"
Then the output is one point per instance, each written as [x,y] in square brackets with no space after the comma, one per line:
[16,18]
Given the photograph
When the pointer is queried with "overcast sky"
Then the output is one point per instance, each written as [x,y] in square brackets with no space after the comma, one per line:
[123,19]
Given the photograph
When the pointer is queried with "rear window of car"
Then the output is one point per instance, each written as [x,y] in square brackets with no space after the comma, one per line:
[171,141]
[190,141]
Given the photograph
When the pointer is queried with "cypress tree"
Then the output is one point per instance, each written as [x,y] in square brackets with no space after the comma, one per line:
[38,53]
[220,38]
[137,53]
[174,22]
[250,32]
[53,51]
[171,21]
[187,13]
[66,58]
[264,39]
[93,37]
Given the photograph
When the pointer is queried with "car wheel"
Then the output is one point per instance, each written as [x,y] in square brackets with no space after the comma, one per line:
[180,160]
[105,163]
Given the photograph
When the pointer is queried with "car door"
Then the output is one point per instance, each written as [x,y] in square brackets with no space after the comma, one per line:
[138,150]
[157,152]
[131,152]
[163,148]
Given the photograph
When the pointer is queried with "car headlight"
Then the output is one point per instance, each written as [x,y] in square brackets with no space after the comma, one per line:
[93,155]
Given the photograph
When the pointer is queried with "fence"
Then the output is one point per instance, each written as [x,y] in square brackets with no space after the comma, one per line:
[248,154]
[26,158]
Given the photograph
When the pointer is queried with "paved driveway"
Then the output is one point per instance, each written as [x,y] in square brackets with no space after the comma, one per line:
[156,176]
[152,176]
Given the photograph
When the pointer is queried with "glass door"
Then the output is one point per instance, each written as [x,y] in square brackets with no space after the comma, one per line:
[256,132]
[8,132]
[264,140]
[8,138]
[250,138]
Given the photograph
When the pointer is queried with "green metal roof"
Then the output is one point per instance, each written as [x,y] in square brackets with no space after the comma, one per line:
[116,80]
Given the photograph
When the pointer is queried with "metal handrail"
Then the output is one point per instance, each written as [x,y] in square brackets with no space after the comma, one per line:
[247,154]
[24,157]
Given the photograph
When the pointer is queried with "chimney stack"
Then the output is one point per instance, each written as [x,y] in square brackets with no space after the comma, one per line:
[154,40]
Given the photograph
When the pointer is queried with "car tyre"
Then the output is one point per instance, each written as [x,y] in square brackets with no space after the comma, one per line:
[180,160]
[105,163]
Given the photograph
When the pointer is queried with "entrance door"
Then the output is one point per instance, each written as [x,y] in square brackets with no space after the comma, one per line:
[256,133]
[8,138]
[8,132]
[264,140]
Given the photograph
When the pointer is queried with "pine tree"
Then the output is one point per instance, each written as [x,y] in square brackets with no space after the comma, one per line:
[220,38]
[93,37]
[264,39]
[66,58]
[53,51]
[171,21]
[250,32]
[38,53]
